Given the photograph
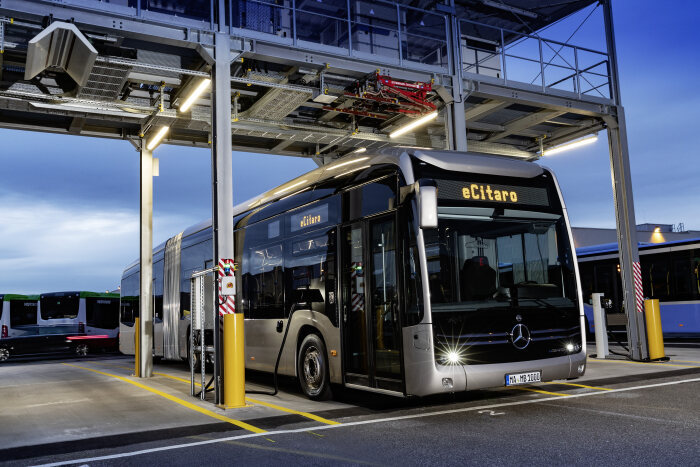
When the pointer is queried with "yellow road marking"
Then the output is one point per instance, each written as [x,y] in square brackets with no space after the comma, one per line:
[315,434]
[540,391]
[639,363]
[581,386]
[285,409]
[266,404]
[196,408]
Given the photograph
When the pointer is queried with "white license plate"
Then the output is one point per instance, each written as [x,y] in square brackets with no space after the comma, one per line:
[523,378]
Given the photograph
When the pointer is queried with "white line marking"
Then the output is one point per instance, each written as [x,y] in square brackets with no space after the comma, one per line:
[75,401]
[361,422]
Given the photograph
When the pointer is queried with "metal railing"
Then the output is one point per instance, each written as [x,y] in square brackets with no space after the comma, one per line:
[390,33]
[526,58]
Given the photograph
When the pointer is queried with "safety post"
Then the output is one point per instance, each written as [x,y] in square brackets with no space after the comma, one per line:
[601,332]
[652,313]
[234,361]
[234,349]
[137,354]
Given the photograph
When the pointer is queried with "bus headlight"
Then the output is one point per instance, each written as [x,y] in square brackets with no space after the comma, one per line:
[570,347]
[451,357]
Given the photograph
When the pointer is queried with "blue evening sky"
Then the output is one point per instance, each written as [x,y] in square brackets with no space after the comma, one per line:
[69,205]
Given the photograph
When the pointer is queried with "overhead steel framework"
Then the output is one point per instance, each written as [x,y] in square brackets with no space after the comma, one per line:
[292,70]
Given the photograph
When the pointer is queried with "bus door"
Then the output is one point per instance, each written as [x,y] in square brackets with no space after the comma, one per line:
[371,331]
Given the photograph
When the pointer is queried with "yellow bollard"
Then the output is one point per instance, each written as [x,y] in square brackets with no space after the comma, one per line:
[137,350]
[234,361]
[655,337]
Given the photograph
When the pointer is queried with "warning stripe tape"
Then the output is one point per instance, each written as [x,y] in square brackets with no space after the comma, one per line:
[638,288]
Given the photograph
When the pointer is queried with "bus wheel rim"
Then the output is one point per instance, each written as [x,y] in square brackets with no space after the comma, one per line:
[312,369]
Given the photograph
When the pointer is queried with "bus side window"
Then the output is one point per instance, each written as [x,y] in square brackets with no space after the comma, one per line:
[129,307]
[263,271]
[656,278]
[310,265]
[370,199]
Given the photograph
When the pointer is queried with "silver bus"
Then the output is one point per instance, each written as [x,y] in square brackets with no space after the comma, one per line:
[409,272]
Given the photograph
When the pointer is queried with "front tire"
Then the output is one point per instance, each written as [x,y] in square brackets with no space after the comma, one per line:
[313,370]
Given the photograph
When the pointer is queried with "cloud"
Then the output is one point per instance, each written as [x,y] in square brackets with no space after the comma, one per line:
[48,247]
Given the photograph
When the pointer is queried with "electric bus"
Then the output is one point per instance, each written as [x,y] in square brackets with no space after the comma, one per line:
[670,273]
[406,272]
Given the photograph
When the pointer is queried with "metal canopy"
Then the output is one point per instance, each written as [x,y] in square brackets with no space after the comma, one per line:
[292,94]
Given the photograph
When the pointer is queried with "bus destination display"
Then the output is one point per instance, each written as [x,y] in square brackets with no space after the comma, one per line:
[457,190]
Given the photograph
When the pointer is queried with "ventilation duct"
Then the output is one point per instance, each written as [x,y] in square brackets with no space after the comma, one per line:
[63,47]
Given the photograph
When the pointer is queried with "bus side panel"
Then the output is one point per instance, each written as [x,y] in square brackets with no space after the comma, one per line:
[126,339]
[680,319]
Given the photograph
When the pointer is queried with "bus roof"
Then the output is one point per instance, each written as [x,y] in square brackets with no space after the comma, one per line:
[603,248]
[81,294]
[9,296]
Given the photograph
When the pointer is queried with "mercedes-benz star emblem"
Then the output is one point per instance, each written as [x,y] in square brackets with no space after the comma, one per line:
[520,336]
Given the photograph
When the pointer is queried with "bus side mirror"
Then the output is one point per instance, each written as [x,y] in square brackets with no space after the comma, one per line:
[427,204]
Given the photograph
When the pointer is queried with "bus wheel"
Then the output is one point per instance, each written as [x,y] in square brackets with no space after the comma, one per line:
[4,354]
[81,350]
[312,368]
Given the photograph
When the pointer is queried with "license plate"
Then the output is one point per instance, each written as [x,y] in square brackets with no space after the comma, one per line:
[523,378]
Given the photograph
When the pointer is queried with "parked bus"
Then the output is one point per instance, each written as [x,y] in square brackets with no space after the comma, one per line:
[93,315]
[410,272]
[670,273]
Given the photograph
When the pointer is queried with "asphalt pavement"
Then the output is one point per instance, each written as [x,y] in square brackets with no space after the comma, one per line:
[620,413]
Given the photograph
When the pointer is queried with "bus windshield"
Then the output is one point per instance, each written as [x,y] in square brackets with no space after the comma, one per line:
[480,258]
[60,307]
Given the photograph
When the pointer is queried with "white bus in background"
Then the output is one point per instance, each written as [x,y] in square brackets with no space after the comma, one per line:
[92,317]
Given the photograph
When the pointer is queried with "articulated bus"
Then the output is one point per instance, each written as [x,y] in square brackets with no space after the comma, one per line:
[670,273]
[410,272]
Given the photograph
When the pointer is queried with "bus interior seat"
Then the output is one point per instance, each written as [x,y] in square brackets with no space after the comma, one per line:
[478,279]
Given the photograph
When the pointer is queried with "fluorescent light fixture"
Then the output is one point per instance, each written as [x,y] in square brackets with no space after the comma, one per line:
[414,124]
[351,171]
[201,87]
[342,164]
[359,150]
[155,141]
[290,187]
[572,145]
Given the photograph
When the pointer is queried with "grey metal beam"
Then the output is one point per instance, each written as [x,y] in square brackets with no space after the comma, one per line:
[283,144]
[146,259]
[76,125]
[523,123]
[459,125]
[624,206]
[481,110]
[627,237]
[109,22]
[510,95]
[222,174]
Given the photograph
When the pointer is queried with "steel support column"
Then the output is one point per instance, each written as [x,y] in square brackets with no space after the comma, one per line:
[222,178]
[624,205]
[627,237]
[458,138]
[459,125]
[145,357]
